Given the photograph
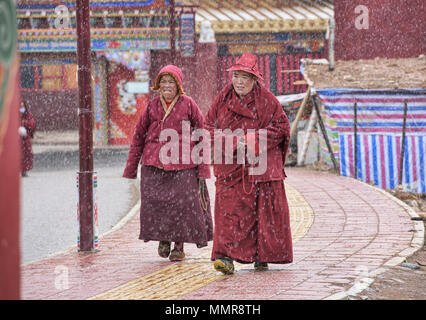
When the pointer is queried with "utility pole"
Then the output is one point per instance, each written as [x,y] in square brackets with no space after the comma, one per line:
[85,191]
[172,32]
[331,33]
[401,159]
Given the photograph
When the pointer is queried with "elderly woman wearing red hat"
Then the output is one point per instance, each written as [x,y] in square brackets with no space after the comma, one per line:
[251,215]
[172,206]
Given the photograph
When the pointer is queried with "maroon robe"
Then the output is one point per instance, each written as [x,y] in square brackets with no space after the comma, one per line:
[175,205]
[28,122]
[170,212]
[252,220]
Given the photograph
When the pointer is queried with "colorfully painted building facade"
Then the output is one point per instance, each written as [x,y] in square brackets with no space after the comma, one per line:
[131,41]
[122,35]
[280,33]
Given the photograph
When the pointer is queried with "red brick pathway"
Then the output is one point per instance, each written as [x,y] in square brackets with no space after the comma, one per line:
[357,231]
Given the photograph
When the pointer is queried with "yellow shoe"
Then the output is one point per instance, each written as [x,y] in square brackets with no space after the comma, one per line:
[224,265]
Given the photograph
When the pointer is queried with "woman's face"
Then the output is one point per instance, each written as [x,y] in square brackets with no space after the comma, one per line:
[243,82]
[168,87]
[22,108]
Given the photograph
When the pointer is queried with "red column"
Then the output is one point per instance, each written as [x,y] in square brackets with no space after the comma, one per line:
[85,126]
[172,32]
[10,157]
[10,172]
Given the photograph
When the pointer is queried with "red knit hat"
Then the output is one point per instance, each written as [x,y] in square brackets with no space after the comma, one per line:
[247,63]
[173,71]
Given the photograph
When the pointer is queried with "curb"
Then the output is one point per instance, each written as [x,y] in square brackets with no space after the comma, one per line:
[63,156]
[417,243]
[46,148]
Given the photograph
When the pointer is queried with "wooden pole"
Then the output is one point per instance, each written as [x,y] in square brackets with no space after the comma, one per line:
[172,32]
[355,142]
[300,112]
[308,134]
[85,114]
[332,26]
[401,160]
[324,134]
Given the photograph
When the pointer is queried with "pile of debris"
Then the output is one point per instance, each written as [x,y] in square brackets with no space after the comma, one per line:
[415,201]
[378,73]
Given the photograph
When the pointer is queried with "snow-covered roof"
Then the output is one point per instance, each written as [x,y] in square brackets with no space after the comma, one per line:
[244,16]
[230,16]
[145,23]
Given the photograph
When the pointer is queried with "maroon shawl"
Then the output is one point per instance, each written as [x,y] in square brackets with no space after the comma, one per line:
[258,110]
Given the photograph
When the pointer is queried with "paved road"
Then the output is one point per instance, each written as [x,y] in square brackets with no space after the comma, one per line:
[345,234]
[49,199]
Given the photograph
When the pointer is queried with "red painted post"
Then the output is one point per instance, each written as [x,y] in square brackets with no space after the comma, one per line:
[172,32]
[85,126]
[355,141]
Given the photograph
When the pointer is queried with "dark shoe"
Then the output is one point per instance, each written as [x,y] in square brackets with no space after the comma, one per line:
[224,265]
[260,266]
[177,255]
[164,249]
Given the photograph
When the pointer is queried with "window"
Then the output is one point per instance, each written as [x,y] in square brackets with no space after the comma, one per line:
[49,77]
[27,77]
[70,76]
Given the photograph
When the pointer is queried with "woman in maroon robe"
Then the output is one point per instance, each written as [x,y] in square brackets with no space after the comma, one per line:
[252,221]
[175,204]
[26,131]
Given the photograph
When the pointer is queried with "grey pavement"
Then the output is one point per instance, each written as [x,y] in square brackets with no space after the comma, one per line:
[49,194]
